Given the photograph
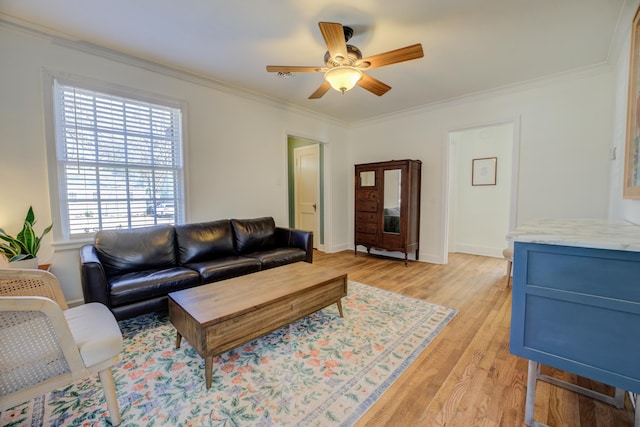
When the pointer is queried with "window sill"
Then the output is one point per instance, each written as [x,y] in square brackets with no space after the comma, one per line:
[70,245]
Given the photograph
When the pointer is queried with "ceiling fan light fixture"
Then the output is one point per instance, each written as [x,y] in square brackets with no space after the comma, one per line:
[343,78]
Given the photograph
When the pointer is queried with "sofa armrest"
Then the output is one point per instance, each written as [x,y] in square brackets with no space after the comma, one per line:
[95,287]
[293,238]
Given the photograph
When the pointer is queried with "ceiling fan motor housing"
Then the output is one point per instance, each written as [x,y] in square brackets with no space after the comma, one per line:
[353,56]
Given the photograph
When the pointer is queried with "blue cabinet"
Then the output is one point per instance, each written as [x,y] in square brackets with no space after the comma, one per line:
[578,309]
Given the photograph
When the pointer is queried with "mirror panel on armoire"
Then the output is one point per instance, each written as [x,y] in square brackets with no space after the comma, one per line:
[392,199]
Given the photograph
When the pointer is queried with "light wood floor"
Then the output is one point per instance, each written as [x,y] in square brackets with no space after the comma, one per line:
[466,377]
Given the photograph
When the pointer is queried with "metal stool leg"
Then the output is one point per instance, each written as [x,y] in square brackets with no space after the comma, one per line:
[532,378]
[534,374]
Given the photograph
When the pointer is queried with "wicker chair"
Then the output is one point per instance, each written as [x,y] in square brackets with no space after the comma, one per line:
[46,345]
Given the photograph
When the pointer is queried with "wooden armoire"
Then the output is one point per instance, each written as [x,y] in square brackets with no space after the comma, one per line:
[387,206]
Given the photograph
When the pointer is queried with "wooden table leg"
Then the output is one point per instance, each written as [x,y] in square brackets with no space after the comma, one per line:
[339,302]
[178,339]
[109,387]
[208,370]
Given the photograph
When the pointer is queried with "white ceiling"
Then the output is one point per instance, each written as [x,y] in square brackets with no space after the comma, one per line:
[470,45]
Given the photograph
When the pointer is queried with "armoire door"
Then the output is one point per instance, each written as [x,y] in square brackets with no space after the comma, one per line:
[393,235]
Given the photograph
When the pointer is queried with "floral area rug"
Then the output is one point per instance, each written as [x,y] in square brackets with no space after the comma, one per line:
[322,370]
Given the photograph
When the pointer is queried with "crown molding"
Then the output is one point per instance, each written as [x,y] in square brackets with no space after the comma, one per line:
[622,31]
[64,40]
[583,72]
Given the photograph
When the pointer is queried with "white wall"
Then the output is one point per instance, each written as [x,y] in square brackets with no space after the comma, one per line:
[565,134]
[479,215]
[235,145]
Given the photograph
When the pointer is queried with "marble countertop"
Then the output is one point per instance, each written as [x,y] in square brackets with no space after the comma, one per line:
[587,233]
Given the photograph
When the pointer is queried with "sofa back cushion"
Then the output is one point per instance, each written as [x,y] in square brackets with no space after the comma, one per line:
[138,249]
[254,235]
[204,241]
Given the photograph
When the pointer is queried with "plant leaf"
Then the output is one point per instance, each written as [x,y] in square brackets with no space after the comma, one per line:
[7,251]
[46,230]
[27,238]
[7,238]
[36,246]
[19,257]
[31,217]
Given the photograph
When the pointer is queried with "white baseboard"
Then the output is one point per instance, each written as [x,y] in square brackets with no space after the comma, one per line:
[339,248]
[75,302]
[478,250]
[428,258]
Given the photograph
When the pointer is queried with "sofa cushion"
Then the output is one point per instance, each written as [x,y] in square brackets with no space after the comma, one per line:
[204,241]
[225,268]
[125,251]
[253,235]
[279,256]
[144,285]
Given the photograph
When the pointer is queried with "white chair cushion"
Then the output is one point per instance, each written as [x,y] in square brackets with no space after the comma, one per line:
[96,332]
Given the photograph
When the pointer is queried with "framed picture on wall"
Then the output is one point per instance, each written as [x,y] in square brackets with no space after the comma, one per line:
[483,171]
[631,187]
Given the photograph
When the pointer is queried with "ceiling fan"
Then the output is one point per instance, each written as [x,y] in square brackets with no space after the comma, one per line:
[345,64]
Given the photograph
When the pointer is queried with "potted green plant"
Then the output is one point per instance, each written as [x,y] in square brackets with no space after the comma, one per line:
[21,251]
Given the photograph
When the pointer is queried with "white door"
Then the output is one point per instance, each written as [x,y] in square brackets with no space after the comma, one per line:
[306,189]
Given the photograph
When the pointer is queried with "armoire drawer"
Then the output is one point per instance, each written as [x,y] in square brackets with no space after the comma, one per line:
[367,227]
[366,216]
[366,239]
[367,195]
[366,206]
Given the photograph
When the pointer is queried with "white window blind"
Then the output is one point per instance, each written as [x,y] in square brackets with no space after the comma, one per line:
[119,161]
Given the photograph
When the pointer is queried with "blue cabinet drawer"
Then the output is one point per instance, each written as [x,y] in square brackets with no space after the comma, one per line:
[611,274]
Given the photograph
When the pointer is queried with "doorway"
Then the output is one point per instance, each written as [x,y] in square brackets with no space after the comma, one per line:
[479,217]
[306,189]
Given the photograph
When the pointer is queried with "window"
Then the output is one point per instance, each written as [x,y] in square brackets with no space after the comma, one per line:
[119,161]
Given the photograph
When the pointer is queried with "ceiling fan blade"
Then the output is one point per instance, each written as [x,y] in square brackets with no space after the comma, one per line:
[324,87]
[333,35]
[373,85]
[393,56]
[293,69]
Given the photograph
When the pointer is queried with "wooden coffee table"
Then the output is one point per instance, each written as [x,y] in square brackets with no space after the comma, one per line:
[217,317]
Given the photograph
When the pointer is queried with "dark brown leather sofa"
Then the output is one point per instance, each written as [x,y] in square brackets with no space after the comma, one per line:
[132,271]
